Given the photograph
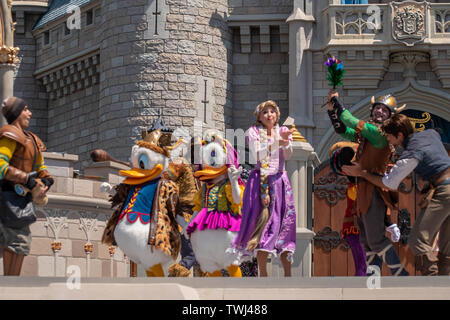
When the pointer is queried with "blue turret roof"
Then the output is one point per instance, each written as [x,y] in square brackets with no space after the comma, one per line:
[56,9]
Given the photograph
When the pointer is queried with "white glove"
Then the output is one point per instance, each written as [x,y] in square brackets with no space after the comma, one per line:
[394,231]
[106,187]
[233,175]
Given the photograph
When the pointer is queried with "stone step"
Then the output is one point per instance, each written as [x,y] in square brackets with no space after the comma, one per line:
[330,288]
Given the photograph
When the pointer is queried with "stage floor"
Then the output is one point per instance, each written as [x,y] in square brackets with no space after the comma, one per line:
[329,288]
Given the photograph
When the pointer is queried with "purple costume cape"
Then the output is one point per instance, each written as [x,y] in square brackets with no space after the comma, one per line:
[279,233]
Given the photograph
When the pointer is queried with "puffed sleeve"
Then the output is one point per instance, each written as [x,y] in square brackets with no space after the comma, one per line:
[287,150]
[257,150]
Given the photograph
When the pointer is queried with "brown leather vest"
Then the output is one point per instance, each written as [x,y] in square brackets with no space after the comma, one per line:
[374,160]
[28,147]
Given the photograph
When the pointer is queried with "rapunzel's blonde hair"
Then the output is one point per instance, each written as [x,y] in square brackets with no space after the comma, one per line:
[260,107]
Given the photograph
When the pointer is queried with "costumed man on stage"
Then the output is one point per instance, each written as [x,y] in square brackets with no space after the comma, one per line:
[22,170]
[217,207]
[425,154]
[144,225]
[373,154]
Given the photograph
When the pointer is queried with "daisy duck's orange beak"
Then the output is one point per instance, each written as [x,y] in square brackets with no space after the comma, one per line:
[138,176]
[208,173]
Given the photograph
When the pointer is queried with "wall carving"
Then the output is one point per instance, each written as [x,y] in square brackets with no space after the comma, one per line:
[442,21]
[409,21]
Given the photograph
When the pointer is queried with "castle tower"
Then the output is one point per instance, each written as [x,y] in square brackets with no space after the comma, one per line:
[167,56]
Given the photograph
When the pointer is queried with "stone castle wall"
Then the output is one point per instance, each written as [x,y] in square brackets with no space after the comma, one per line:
[26,86]
[259,76]
[146,69]
[108,81]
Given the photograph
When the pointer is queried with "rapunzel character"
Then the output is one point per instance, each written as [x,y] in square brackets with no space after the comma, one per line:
[268,212]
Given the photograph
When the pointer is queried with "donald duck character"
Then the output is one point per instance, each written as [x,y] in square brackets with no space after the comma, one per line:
[144,224]
[217,207]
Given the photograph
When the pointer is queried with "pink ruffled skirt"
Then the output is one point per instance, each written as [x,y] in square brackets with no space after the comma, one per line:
[214,220]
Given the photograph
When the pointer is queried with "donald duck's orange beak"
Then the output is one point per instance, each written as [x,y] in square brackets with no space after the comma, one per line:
[138,176]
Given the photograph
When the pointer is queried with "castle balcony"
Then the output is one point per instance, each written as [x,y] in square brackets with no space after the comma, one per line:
[365,36]
[405,23]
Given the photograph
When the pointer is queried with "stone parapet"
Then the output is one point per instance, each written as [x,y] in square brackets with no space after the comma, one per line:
[107,171]
[60,164]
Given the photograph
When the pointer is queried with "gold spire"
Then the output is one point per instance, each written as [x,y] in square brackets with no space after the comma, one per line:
[296,135]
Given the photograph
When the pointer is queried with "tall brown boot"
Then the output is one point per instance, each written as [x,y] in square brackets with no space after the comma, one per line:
[443,264]
[426,264]
[12,262]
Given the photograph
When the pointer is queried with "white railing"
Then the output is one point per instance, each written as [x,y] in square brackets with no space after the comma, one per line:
[440,20]
[375,22]
[357,21]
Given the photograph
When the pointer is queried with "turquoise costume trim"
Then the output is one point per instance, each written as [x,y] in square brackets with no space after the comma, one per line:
[140,202]
[214,198]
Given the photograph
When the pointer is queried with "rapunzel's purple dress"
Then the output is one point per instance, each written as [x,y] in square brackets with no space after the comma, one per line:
[279,233]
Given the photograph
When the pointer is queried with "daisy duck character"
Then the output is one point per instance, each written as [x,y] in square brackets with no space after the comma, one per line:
[217,207]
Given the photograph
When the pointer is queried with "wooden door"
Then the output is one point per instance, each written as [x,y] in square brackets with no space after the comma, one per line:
[331,254]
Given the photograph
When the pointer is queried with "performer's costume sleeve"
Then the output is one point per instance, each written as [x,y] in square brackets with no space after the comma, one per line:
[7,148]
[368,131]
[254,141]
[399,171]
[287,150]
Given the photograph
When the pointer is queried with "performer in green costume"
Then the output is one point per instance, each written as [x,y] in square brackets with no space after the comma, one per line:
[373,154]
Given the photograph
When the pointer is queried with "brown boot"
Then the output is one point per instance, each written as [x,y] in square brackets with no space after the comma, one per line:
[426,264]
[443,264]
[12,262]
[177,270]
